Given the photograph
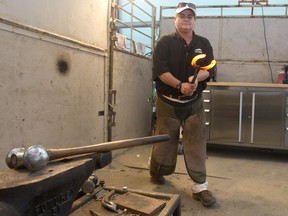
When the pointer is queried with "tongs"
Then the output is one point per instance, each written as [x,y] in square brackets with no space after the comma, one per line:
[198,67]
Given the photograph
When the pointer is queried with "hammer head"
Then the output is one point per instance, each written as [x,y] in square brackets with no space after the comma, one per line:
[34,158]
[14,158]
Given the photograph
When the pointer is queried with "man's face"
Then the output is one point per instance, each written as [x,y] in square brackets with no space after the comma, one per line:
[185,21]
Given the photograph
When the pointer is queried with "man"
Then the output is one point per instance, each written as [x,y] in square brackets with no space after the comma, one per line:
[179,102]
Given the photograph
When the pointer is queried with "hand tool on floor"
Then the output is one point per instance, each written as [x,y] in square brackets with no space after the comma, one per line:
[37,157]
[107,203]
[198,67]
[90,184]
[97,194]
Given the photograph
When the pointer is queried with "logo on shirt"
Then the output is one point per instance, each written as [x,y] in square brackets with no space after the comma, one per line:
[198,50]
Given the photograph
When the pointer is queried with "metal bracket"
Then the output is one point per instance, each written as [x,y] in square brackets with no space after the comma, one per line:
[111,113]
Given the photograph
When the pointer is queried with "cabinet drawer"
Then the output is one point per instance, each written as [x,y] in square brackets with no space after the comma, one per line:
[207,95]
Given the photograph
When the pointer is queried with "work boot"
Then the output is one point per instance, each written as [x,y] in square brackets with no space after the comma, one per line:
[205,197]
[157,179]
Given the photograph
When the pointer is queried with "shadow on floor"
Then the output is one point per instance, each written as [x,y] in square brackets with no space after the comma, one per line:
[247,153]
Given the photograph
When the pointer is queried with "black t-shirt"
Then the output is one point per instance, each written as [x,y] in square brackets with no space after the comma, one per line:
[171,54]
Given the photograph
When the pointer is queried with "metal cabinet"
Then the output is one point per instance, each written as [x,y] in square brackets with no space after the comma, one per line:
[246,116]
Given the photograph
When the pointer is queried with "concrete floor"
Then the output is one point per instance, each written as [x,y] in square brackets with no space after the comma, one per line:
[246,182]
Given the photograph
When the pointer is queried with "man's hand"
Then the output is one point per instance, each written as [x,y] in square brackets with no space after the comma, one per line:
[189,88]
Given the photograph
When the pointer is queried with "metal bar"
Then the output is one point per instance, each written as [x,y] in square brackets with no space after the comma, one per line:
[149,3]
[252,8]
[142,9]
[48,34]
[222,7]
[252,117]
[131,14]
[240,117]
[119,21]
[249,61]
[153,26]
[230,6]
[137,24]
[133,27]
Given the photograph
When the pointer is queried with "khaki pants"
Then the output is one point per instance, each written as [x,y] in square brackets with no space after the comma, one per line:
[168,121]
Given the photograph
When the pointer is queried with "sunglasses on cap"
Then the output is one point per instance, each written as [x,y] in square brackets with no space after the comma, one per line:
[185,4]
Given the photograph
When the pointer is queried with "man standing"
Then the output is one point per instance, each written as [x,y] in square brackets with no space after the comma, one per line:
[179,102]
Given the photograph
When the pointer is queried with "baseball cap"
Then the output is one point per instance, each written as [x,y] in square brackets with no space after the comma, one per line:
[184,6]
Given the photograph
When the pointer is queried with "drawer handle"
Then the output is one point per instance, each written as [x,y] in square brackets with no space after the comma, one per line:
[240,117]
[253,117]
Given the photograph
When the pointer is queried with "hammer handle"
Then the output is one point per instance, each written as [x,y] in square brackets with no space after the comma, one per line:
[103,147]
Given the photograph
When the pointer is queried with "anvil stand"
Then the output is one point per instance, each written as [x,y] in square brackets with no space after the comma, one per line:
[56,189]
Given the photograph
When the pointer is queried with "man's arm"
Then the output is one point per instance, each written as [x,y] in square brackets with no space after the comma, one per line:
[202,75]
[169,79]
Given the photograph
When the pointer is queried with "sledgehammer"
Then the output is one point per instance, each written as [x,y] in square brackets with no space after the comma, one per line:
[36,157]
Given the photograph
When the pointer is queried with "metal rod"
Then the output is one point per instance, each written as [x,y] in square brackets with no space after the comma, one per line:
[195,75]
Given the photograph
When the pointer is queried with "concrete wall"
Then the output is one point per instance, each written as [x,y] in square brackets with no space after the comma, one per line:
[240,45]
[39,103]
